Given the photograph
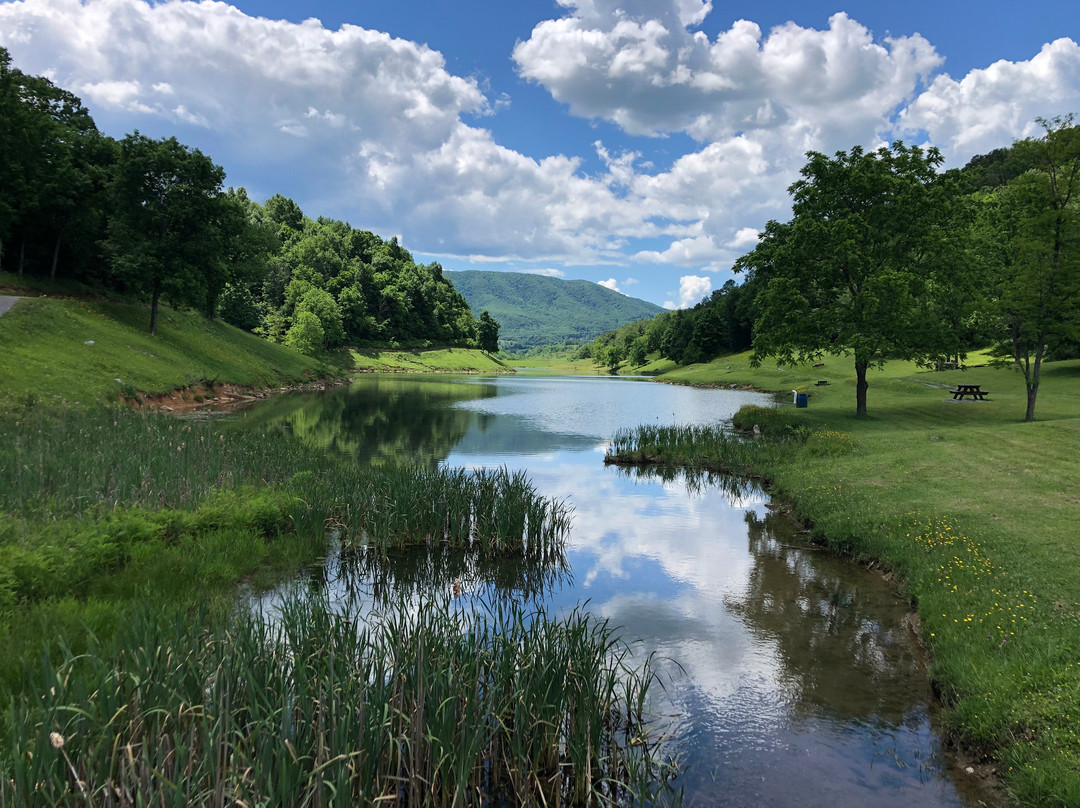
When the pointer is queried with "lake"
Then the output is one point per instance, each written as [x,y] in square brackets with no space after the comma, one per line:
[791,677]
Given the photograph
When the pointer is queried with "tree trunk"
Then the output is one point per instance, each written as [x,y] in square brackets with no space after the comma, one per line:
[1,253]
[860,388]
[1033,385]
[55,257]
[22,255]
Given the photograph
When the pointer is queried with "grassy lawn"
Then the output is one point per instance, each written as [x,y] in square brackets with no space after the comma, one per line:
[978,512]
[442,360]
[87,351]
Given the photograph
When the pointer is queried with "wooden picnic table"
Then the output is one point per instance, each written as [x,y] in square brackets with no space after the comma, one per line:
[973,390]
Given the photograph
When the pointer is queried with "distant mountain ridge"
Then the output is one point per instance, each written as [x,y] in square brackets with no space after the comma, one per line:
[535,310]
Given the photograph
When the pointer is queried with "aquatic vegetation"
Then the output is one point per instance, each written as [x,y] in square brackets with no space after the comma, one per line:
[59,463]
[702,447]
[79,490]
[420,704]
[495,511]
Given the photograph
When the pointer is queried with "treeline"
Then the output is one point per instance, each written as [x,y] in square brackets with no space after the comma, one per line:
[151,219]
[718,325]
[886,257]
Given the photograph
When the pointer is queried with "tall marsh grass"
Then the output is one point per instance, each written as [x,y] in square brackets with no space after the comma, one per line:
[82,493]
[58,463]
[704,447]
[494,511]
[422,704]
[766,436]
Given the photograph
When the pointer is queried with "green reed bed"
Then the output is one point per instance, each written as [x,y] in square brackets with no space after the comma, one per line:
[495,511]
[709,447]
[420,705]
[56,463]
[82,493]
[99,506]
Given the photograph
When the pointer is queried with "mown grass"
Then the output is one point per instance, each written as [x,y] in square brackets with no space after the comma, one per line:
[441,360]
[86,352]
[977,511]
[424,704]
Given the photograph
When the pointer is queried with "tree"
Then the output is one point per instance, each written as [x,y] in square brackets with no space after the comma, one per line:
[163,234]
[487,332]
[1031,233]
[306,334]
[612,356]
[320,303]
[855,269]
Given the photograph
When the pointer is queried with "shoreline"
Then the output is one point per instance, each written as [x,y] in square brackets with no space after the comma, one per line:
[980,762]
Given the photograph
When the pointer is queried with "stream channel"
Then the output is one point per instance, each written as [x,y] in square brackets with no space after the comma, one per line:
[791,677]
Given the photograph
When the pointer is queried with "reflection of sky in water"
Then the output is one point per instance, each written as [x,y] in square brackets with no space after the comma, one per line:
[595,407]
[790,676]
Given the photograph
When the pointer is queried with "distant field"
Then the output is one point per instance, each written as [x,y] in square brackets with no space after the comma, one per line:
[444,360]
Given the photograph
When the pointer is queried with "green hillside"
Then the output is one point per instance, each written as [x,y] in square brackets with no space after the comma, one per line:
[534,310]
[82,351]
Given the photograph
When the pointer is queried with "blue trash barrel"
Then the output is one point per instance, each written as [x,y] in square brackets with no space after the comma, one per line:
[801,400]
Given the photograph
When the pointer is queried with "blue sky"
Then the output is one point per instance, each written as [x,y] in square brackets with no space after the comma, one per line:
[636,143]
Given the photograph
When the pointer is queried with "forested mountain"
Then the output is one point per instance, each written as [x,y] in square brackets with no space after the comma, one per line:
[534,310]
[151,219]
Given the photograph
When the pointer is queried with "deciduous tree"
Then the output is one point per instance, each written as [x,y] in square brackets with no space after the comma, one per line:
[855,269]
[1031,235]
[164,229]
[487,332]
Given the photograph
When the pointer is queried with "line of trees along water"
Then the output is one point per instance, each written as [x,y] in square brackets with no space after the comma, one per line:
[150,218]
[886,257]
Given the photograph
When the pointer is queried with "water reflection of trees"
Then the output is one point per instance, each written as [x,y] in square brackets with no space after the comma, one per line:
[377,420]
[697,481]
[361,575]
[842,637]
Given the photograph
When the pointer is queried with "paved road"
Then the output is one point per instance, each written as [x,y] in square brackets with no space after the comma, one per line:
[6,302]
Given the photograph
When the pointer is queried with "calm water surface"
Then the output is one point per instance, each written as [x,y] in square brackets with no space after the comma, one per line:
[791,677]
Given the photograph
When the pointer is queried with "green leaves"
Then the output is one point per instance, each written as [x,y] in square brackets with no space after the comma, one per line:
[1028,236]
[487,333]
[861,266]
[163,234]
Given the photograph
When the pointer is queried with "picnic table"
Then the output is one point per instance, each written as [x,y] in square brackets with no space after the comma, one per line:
[973,390]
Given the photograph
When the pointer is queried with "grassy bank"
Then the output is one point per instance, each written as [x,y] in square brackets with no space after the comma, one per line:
[71,351]
[81,352]
[977,513]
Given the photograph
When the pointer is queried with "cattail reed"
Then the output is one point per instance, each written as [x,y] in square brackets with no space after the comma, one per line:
[493,511]
[420,704]
[705,447]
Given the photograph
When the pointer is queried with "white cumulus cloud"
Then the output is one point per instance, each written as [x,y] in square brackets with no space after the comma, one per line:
[357,124]
[639,65]
[988,108]
[610,283]
[745,238]
[692,288]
